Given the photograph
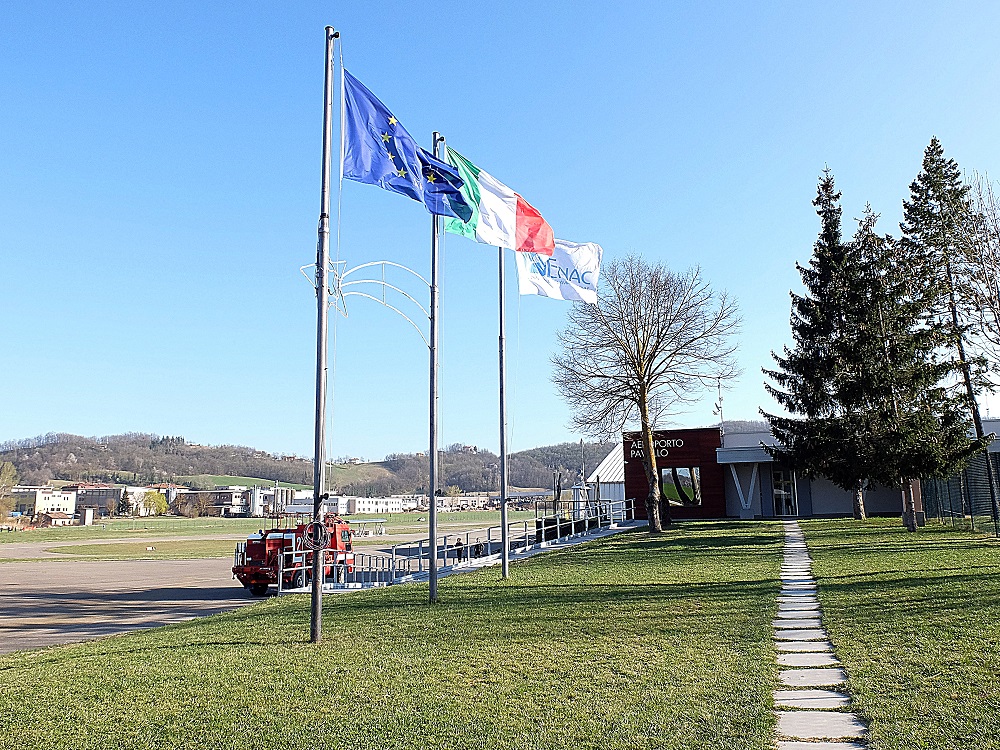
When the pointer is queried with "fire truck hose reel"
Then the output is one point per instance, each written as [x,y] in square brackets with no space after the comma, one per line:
[317,536]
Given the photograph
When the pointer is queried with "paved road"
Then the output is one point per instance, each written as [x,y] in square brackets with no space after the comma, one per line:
[47,599]
[48,603]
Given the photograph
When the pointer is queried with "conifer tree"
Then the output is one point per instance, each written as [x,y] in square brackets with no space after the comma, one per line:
[863,380]
[935,221]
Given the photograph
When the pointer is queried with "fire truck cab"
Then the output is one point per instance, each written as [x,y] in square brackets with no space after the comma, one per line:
[281,554]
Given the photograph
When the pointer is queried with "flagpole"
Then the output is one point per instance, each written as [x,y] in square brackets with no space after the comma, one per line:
[438,139]
[322,305]
[504,531]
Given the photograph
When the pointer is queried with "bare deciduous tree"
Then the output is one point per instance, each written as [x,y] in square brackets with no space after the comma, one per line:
[649,347]
[981,269]
[8,478]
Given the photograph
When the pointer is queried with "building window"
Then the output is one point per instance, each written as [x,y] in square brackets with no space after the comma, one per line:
[681,486]
[785,501]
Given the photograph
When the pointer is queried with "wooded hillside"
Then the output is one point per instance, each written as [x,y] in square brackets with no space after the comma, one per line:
[142,458]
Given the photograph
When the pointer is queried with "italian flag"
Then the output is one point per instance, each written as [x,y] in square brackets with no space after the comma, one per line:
[500,216]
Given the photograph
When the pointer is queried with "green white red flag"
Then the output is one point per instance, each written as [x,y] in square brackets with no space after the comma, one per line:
[500,217]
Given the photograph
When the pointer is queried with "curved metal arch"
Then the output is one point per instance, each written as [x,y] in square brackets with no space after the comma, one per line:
[385,285]
[385,263]
[396,310]
[339,291]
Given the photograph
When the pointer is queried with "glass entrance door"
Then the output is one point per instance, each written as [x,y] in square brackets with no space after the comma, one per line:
[785,501]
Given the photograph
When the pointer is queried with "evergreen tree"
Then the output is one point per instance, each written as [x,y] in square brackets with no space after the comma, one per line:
[124,505]
[935,221]
[863,379]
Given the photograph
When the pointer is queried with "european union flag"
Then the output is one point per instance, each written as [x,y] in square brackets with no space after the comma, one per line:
[379,151]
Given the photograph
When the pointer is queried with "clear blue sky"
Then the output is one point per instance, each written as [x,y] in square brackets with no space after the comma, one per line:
[159,172]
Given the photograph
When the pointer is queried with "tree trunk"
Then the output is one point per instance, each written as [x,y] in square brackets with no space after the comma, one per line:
[859,502]
[653,496]
[657,519]
[909,511]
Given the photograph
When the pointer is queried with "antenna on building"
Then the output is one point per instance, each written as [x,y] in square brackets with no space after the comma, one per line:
[718,410]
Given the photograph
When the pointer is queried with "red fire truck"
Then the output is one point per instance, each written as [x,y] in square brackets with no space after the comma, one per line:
[285,553]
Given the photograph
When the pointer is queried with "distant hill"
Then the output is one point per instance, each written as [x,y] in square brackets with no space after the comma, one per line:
[140,458]
[143,458]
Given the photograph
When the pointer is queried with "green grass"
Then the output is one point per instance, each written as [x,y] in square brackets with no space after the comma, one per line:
[122,528]
[153,526]
[916,620]
[186,549]
[629,642]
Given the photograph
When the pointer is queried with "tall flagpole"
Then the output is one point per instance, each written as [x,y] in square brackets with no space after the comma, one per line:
[432,532]
[322,305]
[504,531]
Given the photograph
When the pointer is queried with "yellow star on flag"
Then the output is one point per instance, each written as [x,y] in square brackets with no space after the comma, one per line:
[430,177]
[385,137]
[401,173]
[392,120]
[391,155]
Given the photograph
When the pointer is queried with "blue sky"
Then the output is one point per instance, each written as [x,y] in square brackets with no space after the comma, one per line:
[159,176]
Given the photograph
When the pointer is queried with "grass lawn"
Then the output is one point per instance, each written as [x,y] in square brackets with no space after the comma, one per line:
[123,528]
[152,526]
[627,642]
[185,549]
[916,620]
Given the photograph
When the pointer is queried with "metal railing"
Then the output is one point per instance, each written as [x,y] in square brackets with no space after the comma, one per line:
[411,560]
[964,500]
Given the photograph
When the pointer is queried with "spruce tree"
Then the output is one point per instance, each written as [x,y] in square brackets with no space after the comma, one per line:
[936,221]
[933,227]
[863,379]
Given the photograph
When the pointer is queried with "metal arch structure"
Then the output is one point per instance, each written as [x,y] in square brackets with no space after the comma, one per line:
[341,289]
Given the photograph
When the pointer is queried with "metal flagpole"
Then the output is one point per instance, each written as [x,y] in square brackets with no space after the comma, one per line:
[504,535]
[432,532]
[322,305]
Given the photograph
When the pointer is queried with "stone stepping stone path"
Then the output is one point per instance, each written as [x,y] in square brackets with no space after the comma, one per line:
[812,705]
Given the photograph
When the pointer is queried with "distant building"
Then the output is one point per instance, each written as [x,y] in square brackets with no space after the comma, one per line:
[336,505]
[266,501]
[34,500]
[376,505]
[54,518]
[608,478]
[103,498]
[222,501]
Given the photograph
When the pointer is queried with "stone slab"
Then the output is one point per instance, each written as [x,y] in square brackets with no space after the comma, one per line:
[795,745]
[797,614]
[814,699]
[797,606]
[798,622]
[808,660]
[804,646]
[819,725]
[801,634]
[812,678]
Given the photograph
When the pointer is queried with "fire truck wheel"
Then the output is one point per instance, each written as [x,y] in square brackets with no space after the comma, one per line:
[299,580]
[258,589]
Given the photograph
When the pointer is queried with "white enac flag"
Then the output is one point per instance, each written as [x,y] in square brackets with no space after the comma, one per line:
[570,273]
